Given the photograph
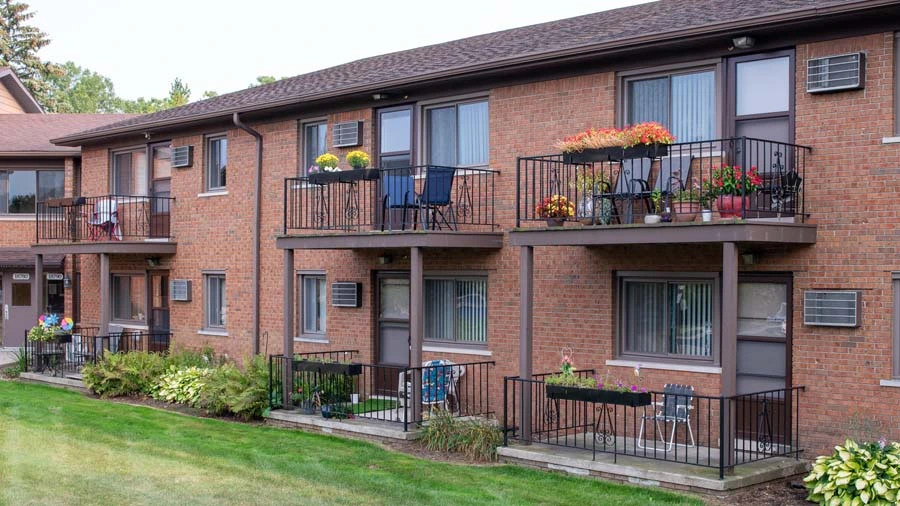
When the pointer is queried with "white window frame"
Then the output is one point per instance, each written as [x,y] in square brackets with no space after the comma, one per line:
[208,324]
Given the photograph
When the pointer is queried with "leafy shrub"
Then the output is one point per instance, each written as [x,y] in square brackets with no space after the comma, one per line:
[184,359]
[18,367]
[243,393]
[182,386]
[121,374]
[856,474]
[477,439]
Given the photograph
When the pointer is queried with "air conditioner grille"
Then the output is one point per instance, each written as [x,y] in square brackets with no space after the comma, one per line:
[835,73]
[344,294]
[831,308]
[182,156]
[347,134]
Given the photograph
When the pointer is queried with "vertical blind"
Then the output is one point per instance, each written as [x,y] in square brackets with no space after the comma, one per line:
[684,103]
[668,318]
[215,301]
[314,304]
[458,135]
[456,310]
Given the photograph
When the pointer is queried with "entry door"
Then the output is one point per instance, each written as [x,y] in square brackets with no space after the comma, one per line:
[761,106]
[764,359]
[159,308]
[18,313]
[160,187]
[393,319]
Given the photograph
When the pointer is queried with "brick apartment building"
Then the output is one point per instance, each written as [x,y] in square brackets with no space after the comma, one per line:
[31,168]
[492,282]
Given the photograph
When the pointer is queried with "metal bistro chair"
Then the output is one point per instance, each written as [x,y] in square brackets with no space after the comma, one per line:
[678,402]
[632,186]
[785,195]
[397,192]
[436,198]
[104,221]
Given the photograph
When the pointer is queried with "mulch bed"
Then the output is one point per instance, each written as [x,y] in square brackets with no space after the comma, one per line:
[775,493]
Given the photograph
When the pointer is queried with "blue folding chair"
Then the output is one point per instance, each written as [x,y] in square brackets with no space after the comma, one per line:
[397,192]
[436,198]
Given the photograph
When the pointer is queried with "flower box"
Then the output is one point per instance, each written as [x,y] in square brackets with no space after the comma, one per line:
[328,367]
[616,154]
[596,395]
[343,176]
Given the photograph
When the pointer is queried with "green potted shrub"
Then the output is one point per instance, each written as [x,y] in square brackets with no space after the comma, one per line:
[653,215]
[686,203]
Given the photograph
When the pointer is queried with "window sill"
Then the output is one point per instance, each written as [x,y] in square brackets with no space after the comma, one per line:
[890,140]
[212,332]
[460,350]
[17,217]
[707,369]
[895,383]
[213,193]
[310,339]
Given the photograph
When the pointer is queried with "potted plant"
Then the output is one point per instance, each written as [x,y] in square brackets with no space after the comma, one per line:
[732,188]
[567,385]
[648,139]
[358,159]
[305,397]
[589,211]
[327,163]
[686,203]
[656,200]
[51,328]
[555,209]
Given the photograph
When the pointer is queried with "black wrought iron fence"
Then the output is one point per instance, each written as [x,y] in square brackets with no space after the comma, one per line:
[70,352]
[425,197]
[735,177]
[676,425]
[104,218]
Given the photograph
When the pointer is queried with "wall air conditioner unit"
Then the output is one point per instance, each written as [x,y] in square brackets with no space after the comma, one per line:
[836,73]
[347,134]
[182,156]
[180,290]
[344,294]
[832,308]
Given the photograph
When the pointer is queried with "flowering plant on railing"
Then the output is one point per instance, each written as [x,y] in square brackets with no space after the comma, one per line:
[358,159]
[555,206]
[49,326]
[730,180]
[327,162]
[592,138]
[607,383]
[566,376]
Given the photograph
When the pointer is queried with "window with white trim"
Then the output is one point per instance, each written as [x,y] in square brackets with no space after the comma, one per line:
[215,304]
[456,309]
[667,317]
[313,304]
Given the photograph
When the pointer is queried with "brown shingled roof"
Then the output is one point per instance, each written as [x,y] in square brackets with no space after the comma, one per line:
[24,134]
[665,19]
[23,258]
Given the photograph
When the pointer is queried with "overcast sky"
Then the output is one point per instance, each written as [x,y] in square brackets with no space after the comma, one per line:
[222,45]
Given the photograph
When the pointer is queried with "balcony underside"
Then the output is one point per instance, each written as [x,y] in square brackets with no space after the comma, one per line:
[741,232]
[387,240]
[111,247]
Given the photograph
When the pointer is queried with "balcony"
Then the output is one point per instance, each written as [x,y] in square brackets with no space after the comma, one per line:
[660,197]
[427,206]
[105,224]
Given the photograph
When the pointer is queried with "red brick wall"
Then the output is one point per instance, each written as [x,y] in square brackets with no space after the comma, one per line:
[850,195]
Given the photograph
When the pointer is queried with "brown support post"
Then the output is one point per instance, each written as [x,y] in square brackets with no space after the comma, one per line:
[37,293]
[105,305]
[526,328]
[288,344]
[416,326]
[729,346]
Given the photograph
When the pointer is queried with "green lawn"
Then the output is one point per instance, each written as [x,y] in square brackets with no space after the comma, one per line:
[62,448]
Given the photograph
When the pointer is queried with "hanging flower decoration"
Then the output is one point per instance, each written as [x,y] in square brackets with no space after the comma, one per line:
[49,326]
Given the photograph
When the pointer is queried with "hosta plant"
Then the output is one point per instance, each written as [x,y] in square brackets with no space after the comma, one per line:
[857,474]
[182,386]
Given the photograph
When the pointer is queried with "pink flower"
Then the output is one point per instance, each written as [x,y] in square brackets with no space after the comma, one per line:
[634,388]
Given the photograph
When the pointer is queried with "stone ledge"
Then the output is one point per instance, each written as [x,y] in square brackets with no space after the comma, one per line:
[648,472]
[69,384]
[361,428]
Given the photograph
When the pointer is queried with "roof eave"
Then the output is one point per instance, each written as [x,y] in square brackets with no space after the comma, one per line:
[21,93]
[40,154]
[529,59]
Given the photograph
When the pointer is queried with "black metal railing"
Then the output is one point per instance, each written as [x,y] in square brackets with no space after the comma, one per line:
[684,178]
[426,197]
[104,218]
[70,352]
[690,429]
[380,392]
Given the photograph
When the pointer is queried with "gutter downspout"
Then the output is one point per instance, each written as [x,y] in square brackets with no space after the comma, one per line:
[257,212]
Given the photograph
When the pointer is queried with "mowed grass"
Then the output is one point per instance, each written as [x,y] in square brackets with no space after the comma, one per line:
[62,448]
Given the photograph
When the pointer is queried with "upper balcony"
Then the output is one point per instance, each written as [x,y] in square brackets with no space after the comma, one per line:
[740,190]
[105,224]
[424,206]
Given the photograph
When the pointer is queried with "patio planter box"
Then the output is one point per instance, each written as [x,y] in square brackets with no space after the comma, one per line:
[328,367]
[343,176]
[596,395]
[617,154]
